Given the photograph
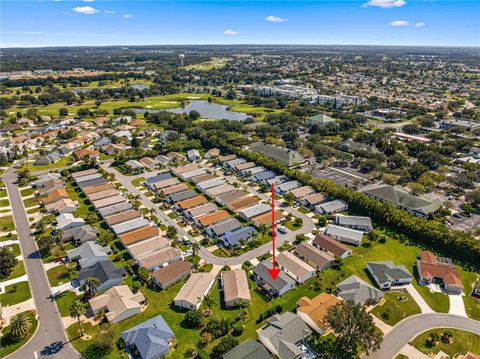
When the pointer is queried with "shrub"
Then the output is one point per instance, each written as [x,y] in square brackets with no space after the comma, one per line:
[136,286]
[238,330]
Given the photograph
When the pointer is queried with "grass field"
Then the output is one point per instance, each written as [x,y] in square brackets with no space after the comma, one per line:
[64,300]
[15,293]
[9,346]
[30,202]
[137,181]
[58,275]
[6,224]
[62,162]
[394,310]
[27,191]
[461,342]
[8,237]
[18,271]
[214,63]
[3,193]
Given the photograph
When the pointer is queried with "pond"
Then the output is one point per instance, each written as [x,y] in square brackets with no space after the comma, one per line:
[205,109]
[139,87]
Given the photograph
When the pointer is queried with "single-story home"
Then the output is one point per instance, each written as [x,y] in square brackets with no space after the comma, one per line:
[313,256]
[234,285]
[358,223]
[171,274]
[386,274]
[194,290]
[343,234]
[330,246]
[272,288]
[331,207]
[314,311]
[89,253]
[358,291]
[105,272]
[295,267]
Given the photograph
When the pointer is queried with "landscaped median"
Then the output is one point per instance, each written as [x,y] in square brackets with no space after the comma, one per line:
[9,343]
[449,341]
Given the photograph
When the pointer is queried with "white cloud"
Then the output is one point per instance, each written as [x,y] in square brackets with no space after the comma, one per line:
[86,10]
[420,24]
[127,16]
[272,18]
[110,12]
[399,23]
[230,32]
[385,4]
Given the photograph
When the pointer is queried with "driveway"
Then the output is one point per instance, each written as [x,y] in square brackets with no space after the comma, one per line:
[413,326]
[204,253]
[457,305]
[424,307]
[50,339]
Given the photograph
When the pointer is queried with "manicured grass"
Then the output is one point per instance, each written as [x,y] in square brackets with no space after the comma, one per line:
[4,202]
[303,210]
[214,63]
[64,300]
[439,302]
[62,162]
[9,346]
[6,224]
[15,293]
[32,201]
[461,342]
[394,310]
[8,237]
[472,304]
[3,193]
[15,248]
[18,271]
[137,181]
[27,191]
[33,210]
[291,225]
[206,268]
[58,275]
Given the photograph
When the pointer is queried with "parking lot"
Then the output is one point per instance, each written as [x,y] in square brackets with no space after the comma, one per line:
[341,177]
[465,224]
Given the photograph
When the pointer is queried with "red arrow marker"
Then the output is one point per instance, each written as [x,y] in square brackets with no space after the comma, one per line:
[274,272]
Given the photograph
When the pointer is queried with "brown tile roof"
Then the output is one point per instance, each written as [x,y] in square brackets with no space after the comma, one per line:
[201,178]
[80,154]
[185,168]
[103,194]
[243,202]
[139,235]
[165,183]
[174,270]
[174,189]
[83,173]
[327,243]
[431,267]
[266,218]
[55,195]
[212,218]
[122,217]
[192,202]
[317,307]
[164,255]
[302,191]
[314,198]
[99,188]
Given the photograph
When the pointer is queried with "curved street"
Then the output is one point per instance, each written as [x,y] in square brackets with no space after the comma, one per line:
[50,339]
[413,326]
[204,253]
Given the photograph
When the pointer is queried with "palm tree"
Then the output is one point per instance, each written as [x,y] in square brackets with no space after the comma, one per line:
[195,248]
[92,284]
[77,309]
[209,302]
[20,326]
[263,230]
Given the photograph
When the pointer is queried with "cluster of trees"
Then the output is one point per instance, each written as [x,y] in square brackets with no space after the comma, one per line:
[7,262]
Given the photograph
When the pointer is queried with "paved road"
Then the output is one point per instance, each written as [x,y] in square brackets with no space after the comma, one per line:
[415,325]
[50,340]
[204,253]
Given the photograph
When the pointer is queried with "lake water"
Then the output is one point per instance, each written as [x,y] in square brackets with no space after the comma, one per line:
[205,109]
[139,86]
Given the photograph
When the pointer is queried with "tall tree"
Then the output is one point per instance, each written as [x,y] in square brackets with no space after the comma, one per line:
[77,309]
[7,261]
[92,283]
[353,327]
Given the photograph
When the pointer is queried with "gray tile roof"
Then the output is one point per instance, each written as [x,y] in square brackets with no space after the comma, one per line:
[103,271]
[284,155]
[261,271]
[224,226]
[387,271]
[358,291]
[114,209]
[249,349]
[151,338]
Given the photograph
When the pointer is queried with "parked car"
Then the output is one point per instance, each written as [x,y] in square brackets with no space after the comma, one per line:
[282,230]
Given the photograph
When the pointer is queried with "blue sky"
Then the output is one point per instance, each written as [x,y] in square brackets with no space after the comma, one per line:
[376,22]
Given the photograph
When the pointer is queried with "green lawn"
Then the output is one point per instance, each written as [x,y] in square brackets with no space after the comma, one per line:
[58,275]
[461,342]
[4,202]
[291,225]
[32,201]
[394,310]
[15,293]
[439,302]
[304,210]
[33,210]
[9,346]
[62,162]
[472,304]
[137,181]
[3,193]
[15,248]
[8,237]
[27,191]
[6,224]
[214,63]
[64,300]
[18,271]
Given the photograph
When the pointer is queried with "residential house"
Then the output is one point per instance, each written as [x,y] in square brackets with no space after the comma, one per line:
[263,176]
[330,246]
[254,211]
[220,228]
[358,291]
[138,235]
[243,202]
[174,189]
[114,209]
[284,336]
[432,269]
[211,218]
[152,338]
[62,206]
[81,234]
[331,207]
[103,194]
[266,218]
[171,274]
[294,267]
[107,202]
[212,153]
[147,246]
[194,290]
[272,288]
[190,203]
[54,196]
[313,256]
[177,157]
[286,187]
[234,285]
[202,178]
[67,221]
[200,210]
[386,274]
[249,349]
[160,258]
[233,238]
[185,168]
[187,176]
[49,159]
[93,182]
[163,160]
[358,223]
[343,234]
[130,226]
[135,166]
[83,154]
[107,274]
[99,188]
[193,155]
[312,200]
[164,184]
[218,191]
[118,303]
[301,192]
[122,217]
[89,253]
[314,311]
[203,186]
